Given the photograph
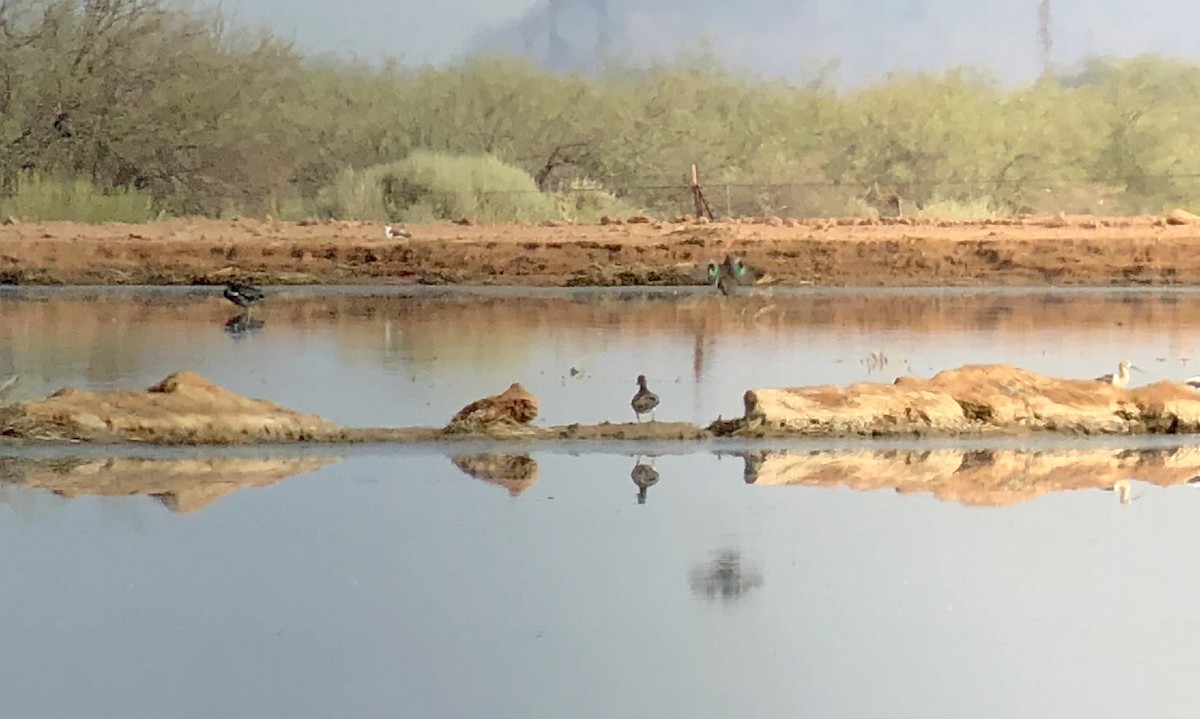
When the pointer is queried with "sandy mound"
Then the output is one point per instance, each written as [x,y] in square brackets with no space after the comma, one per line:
[976,477]
[514,405]
[972,399]
[184,408]
[181,485]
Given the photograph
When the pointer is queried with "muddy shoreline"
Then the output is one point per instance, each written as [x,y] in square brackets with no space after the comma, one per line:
[1067,251]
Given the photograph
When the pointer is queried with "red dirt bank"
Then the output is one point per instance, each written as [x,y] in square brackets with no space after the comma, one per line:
[1038,251]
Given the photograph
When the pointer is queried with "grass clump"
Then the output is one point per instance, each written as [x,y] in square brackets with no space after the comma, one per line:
[37,198]
[428,186]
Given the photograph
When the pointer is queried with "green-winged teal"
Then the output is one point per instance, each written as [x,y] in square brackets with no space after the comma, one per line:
[734,272]
[644,401]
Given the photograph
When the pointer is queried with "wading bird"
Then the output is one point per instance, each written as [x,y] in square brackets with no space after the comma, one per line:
[242,294]
[396,232]
[1121,378]
[644,401]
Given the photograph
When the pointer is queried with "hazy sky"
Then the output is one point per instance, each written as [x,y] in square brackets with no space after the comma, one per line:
[413,30]
[780,37]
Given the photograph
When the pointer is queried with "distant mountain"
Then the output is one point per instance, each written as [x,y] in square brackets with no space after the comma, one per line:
[864,40]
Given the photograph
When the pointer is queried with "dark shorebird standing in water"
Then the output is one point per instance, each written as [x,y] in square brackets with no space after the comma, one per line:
[244,296]
[644,401]
[241,294]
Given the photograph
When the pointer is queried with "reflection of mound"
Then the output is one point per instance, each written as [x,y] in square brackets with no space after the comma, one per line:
[976,477]
[516,473]
[181,485]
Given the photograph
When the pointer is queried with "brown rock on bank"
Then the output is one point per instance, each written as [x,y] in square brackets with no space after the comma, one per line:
[975,399]
[514,405]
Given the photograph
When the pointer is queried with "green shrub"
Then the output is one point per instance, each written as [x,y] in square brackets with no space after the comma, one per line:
[43,199]
[427,186]
[587,201]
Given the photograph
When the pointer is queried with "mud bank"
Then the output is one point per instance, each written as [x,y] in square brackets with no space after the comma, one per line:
[1083,250]
[994,478]
[976,400]
[971,400]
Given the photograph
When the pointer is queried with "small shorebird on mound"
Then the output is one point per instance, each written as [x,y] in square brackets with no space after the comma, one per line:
[242,294]
[1121,378]
[1193,382]
[644,401]
[396,232]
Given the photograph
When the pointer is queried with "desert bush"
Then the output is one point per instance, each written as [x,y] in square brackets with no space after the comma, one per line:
[40,199]
[428,186]
[585,200]
[980,208]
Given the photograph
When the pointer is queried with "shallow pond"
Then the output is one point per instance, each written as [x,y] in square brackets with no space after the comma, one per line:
[416,356]
[388,582]
[837,579]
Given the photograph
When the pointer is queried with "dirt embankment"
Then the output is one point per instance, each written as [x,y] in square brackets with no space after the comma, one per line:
[1036,251]
[974,400]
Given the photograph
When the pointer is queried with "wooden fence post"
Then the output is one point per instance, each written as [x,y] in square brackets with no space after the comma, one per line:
[702,207]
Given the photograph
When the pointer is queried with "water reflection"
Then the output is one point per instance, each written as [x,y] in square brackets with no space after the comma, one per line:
[242,324]
[181,485]
[514,472]
[644,476]
[982,477]
[725,576]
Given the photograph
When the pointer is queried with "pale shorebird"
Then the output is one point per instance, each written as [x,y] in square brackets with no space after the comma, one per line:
[1121,378]
[1193,382]
[644,401]
[242,294]
[396,232]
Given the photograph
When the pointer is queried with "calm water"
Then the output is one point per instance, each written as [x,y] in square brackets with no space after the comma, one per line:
[385,582]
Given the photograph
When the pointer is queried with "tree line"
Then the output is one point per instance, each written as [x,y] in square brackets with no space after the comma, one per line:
[174,105]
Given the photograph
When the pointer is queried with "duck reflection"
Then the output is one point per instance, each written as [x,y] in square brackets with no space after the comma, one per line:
[243,324]
[725,577]
[644,476]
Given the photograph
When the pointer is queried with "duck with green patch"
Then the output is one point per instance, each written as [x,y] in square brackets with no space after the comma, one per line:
[734,273]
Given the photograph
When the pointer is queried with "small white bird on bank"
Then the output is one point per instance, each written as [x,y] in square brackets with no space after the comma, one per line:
[396,232]
[1121,378]
[1193,382]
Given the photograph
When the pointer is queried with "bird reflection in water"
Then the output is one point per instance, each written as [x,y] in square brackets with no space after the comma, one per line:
[726,577]
[243,324]
[644,476]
